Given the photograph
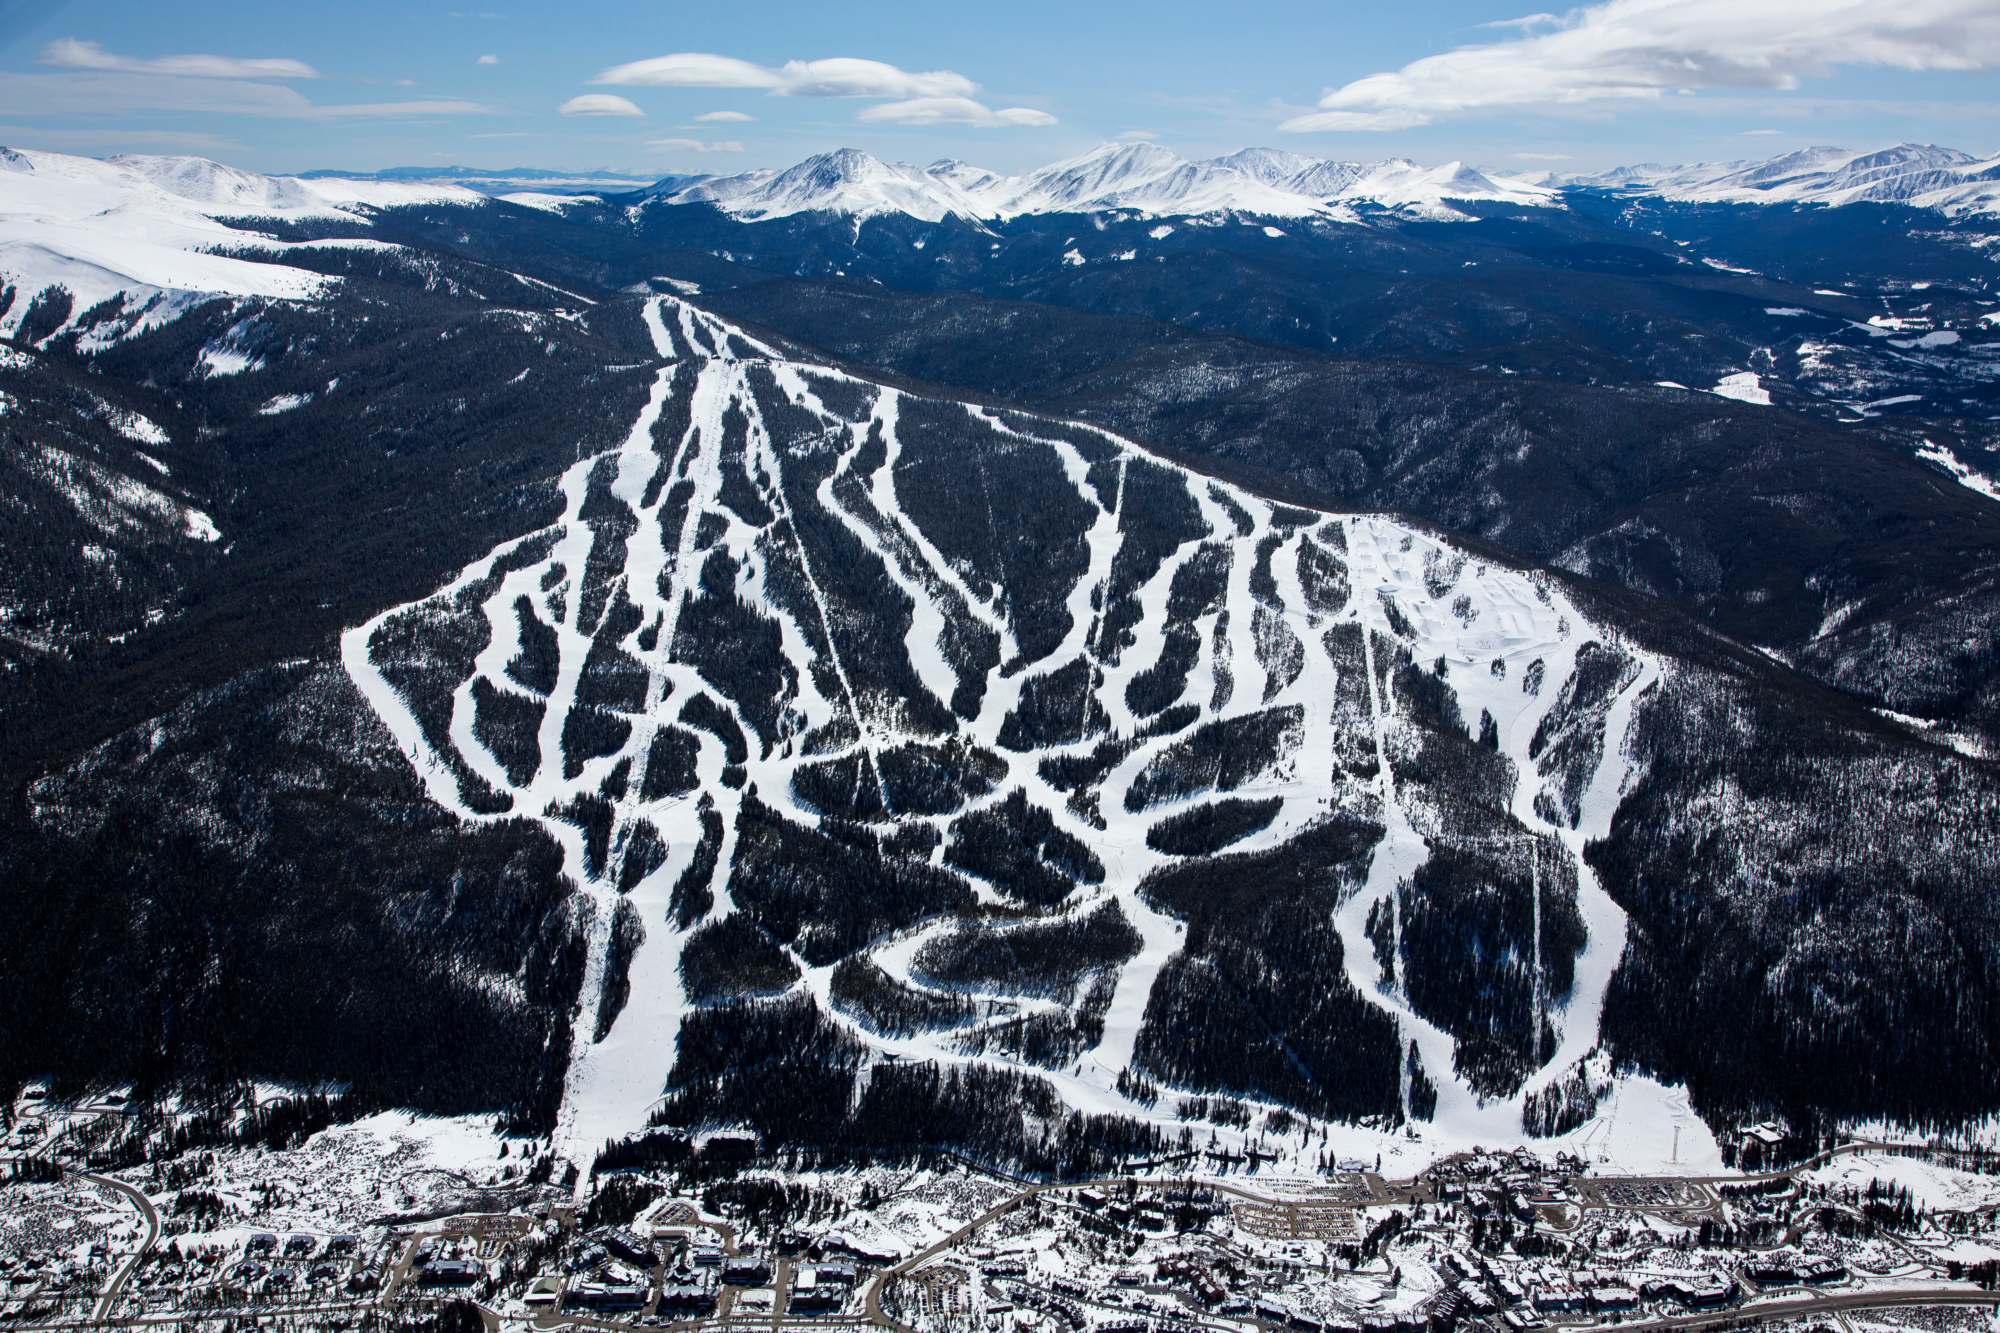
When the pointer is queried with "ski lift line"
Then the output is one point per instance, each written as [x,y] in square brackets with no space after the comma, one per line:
[1540,981]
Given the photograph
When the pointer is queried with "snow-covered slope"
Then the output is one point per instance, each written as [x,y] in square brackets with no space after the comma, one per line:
[1922,175]
[1023,665]
[1140,178]
[1150,180]
[143,232]
[845,181]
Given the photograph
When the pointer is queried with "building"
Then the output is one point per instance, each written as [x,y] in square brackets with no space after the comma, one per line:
[688,1297]
[452,1272]
[1696,1290]
[626,1246]
[816,1299]
[608,1295]
[745,1271]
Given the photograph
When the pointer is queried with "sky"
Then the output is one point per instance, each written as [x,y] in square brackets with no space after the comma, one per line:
[666,88]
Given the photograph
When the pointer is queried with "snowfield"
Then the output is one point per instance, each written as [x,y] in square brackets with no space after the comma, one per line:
[145,232]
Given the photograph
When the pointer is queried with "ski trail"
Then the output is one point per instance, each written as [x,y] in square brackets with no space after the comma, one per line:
[1396,858]
[1487,625]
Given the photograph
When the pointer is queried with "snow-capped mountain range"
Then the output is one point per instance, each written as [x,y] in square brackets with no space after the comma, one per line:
[133,239]
[1126,177]
[1921,175]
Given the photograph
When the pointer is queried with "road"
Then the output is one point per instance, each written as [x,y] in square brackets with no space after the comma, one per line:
[249,1313]
[116,1286]
[1828,1304]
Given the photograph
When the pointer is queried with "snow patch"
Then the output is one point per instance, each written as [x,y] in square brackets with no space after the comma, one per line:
[1937,338]
[1962,474]
[1744,387]
[138,429]
[217,361]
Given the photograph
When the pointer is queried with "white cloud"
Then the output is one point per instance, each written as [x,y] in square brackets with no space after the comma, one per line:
[1640,49]
[93,93]
[98,142]
[840,77]
[1763,131]
[70,53]
[694,146]
[1543,157]
[101,82]
[487,60]
[1136,134]
[723,115]
[951,111]
[598,104]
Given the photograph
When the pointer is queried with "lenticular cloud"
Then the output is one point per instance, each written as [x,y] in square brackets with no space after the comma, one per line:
[952,111]
[839,77]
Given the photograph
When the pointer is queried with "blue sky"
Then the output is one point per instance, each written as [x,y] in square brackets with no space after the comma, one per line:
[286,87]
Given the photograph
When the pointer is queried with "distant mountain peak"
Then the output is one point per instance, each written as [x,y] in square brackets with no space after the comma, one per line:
[1922,175]
[1143,178]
